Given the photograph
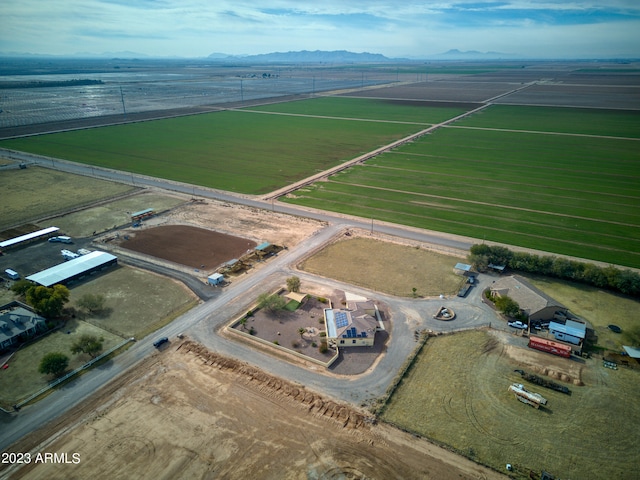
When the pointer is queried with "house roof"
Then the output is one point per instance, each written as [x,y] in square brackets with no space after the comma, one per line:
[343,324]
[463,266]
[528,297]
[15,320]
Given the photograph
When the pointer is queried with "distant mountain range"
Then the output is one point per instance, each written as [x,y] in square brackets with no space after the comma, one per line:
[456,54]
[304,56]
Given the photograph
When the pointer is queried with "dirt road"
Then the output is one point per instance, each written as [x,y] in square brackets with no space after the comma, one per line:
[187,412]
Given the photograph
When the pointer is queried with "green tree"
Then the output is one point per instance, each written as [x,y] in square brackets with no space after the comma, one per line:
[271,302]
[89,344]
[302,331]
[48,301]
[507,305]
[54,363]
[293,284]
[92,303]
[21,286]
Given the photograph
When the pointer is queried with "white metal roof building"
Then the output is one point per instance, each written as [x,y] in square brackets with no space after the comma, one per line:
[73,269]
[29,236]
[570,331]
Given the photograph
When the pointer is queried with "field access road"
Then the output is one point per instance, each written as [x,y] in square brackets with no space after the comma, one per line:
[418,235]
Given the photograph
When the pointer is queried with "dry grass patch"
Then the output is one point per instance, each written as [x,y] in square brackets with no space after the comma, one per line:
[387,267]
[105,217]
[456,393]
[137,302]
[35,193]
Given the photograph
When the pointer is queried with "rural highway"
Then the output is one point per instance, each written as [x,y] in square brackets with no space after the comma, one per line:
[201,322]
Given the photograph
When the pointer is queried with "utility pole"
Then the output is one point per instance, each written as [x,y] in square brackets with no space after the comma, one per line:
[123,107]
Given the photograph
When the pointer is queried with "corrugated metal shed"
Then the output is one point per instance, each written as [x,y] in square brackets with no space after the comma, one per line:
[263,246]
[633,352]
[28,236]
[575,329]
[146,211]
[73,268]
[215,279]
[462,267]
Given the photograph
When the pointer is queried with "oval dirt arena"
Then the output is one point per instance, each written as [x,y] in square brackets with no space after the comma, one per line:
[190,246]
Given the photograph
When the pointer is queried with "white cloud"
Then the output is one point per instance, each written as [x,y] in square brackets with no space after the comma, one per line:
[199,27]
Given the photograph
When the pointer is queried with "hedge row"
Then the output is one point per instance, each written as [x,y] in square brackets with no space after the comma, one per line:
[619,280]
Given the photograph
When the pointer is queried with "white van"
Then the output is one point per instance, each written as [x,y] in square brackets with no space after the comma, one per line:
[12,274]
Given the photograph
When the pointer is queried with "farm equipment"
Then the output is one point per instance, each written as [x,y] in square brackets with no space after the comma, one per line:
[543,382]
[525,396]
[609,364]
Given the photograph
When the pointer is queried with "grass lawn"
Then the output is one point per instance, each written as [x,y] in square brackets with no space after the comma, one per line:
[38,192]
[22,378]
[232,150]
[349,261]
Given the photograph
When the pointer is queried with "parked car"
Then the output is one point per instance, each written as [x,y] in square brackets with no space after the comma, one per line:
[517,324]
[161,341]
[61,238]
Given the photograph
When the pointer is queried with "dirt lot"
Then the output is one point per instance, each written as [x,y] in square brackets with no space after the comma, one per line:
[189,413]
[187,245]
[255,224]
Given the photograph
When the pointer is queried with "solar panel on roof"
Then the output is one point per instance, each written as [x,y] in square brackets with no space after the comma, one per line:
[341,319]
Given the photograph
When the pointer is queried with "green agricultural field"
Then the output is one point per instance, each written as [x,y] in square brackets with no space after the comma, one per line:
[367,109]
[615,123]
[232,150]
[574,195]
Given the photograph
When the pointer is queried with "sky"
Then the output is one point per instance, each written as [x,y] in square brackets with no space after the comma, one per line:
[402,28]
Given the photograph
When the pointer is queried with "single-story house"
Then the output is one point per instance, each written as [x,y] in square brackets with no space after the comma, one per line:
[353,326]
[17,322]
[534,303]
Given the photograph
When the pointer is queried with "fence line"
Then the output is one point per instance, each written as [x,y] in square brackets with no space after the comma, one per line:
[72,373]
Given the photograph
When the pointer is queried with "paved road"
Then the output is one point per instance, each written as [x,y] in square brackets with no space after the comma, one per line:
[221,305]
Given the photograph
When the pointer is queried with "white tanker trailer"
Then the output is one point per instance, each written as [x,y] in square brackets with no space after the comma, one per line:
[525,396]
